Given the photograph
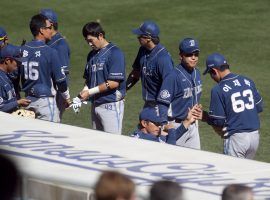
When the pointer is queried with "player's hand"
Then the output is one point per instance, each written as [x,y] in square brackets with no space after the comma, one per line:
[167,127]
[195,112]
[67,103]
[84,94]
[23,102]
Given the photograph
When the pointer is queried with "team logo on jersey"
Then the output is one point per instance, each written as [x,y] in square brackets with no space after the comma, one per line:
[25,53]
[38,54]
[164,94]
[1,100]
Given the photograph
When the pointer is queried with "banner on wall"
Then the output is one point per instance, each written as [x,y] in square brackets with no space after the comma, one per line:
[75,156]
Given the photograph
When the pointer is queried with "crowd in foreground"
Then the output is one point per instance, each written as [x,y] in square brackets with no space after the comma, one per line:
[40,69]
[113,185]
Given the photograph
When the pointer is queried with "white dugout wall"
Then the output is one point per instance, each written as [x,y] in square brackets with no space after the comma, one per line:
[63,162]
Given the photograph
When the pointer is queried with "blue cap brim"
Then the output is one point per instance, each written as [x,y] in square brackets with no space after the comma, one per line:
[137,32]
[206,70]
[18,59]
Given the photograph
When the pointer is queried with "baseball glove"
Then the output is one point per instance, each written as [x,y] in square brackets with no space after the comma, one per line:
[24,113]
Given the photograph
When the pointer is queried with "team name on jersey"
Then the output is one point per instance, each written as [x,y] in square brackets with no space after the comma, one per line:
[97,66]
[188,92]
[147,72]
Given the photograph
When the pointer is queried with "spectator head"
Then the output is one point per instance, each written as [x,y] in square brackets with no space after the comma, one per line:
[237,192]
[9,177]
[113,185]
[166,190]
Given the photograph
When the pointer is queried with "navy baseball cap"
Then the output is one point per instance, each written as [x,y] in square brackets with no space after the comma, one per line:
[148,28]
[11,51]
[3,35]
[189,45]
[151,114]
[50,14]
[215,60]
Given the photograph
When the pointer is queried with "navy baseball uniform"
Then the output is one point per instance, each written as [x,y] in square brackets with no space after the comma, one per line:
[154,66]
[235,104]
[150,127]
[8,100]
[61,46]
[107,63]
[59,43]
[171,138]
[40,68]
[180,91]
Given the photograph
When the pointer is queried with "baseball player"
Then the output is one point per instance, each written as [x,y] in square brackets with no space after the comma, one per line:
[234,107]
[59,43]
[181,90]
[10,59]
[151,126]
[105,82]
[40,68]
[14,74]
[152,64]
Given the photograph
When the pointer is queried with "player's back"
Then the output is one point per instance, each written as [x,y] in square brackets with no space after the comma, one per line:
[37,68]
[240,99]
[59,43]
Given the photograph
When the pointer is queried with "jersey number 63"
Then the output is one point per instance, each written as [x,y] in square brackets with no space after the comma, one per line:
[238,103]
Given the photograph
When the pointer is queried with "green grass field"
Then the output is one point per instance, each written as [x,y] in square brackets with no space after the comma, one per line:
[239,29]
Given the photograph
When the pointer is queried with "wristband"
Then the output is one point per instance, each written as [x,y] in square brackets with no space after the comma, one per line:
[94,90]
[85,88]
[66,94]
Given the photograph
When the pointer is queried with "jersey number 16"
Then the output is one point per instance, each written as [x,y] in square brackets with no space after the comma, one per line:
[30,70]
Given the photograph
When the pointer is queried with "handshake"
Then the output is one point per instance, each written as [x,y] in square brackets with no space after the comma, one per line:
[77,104]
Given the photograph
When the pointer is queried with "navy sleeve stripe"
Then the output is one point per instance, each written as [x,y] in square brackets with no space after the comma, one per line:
[218,117]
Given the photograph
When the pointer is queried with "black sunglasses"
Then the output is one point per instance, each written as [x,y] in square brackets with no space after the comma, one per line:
[156,123]
[48,27]
[196,54]
[144,36]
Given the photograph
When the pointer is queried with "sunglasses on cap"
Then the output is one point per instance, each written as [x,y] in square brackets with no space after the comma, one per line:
[196,54]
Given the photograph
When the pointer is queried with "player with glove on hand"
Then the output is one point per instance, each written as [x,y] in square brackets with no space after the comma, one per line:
[105,82]
[10,58]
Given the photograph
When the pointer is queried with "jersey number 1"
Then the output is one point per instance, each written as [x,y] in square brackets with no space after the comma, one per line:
[238,104]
